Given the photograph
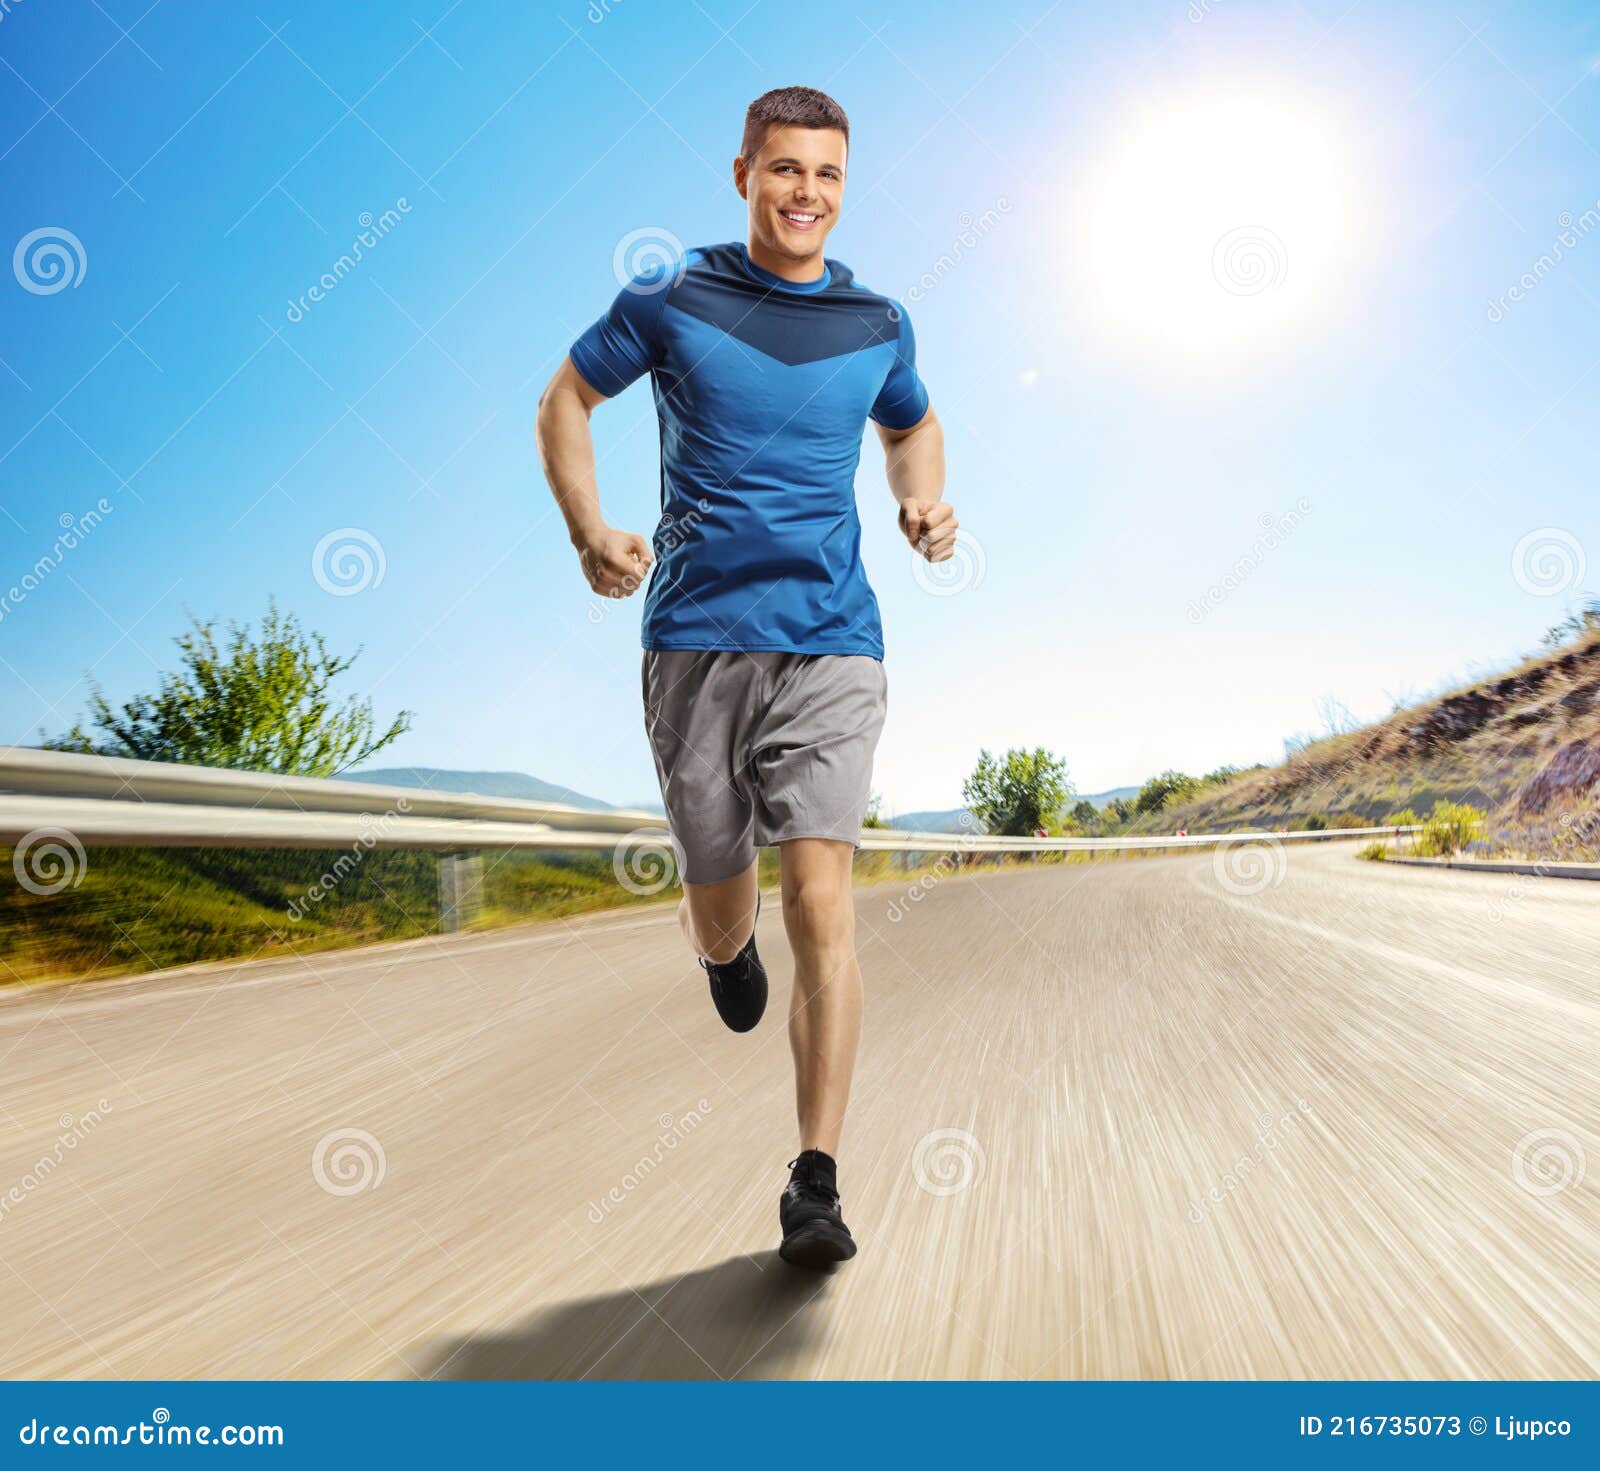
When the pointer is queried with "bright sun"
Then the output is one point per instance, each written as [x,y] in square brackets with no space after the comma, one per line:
[1212,227]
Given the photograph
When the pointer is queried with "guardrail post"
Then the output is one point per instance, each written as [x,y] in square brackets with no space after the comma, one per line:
[460,889]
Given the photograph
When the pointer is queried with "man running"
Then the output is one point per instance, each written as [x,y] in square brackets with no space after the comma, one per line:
[763,681]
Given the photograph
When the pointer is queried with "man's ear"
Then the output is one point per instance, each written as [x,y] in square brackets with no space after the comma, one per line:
[741,175]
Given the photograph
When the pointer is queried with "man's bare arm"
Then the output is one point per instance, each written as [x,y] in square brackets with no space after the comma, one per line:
[614,562]
[914,464]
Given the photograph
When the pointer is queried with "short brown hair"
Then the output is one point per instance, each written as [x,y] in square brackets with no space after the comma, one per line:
[790,107]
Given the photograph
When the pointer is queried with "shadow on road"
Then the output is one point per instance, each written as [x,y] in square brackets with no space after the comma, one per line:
[740,1319]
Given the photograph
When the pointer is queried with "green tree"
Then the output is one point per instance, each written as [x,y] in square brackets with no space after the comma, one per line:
[1085,814]
[1163,791]
[261,704]
[1023,791]
[874,817]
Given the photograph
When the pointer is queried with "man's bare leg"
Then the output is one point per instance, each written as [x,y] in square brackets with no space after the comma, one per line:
[718,918]
[825,1005]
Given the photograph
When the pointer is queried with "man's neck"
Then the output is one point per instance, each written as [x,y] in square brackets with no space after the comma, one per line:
[802,272]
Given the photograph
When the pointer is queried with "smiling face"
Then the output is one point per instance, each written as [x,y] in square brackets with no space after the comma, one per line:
[794,186]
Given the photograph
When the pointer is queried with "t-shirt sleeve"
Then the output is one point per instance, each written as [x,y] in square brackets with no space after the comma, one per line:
[625,343]
[903,400]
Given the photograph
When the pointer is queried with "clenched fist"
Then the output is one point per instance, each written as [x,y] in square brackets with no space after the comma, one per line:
[615,562]
[930,527]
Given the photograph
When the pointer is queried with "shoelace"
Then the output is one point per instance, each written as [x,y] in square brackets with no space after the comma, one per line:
[812,1185]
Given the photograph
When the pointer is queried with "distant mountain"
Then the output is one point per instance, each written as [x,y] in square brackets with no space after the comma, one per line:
[950,821]
[478,783]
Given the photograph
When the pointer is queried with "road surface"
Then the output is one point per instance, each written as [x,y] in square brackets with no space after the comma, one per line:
[1139,1118]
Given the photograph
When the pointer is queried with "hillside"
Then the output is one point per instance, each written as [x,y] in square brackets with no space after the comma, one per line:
[1523,745]
[481,783]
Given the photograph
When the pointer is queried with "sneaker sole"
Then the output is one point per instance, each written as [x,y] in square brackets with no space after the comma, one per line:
[816,1244]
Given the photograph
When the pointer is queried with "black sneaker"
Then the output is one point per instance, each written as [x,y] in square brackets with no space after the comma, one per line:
[814,1233]
[739,986]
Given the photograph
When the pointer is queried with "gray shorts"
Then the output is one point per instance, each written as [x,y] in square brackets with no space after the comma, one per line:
[756,748]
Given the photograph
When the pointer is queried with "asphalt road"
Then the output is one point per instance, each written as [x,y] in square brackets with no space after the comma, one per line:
[1140,1118]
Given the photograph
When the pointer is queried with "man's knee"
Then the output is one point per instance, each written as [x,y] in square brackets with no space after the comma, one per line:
[820,911]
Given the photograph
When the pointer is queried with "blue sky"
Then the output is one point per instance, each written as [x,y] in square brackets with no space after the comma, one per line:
[1211,298]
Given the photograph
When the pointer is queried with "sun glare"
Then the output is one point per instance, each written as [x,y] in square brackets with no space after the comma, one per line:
[1213,227]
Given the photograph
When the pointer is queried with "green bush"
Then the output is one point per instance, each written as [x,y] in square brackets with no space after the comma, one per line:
[1449,828]
[1375,851]
[1316,823]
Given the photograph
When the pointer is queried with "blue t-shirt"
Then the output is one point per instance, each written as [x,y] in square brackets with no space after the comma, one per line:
[763,389]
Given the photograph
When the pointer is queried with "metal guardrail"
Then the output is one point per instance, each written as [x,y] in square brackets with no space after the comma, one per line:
[115,802]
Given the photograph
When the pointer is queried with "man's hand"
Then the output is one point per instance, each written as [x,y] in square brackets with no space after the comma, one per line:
[615,562]
[930,527]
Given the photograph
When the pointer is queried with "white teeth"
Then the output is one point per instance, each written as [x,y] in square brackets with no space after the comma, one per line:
[798,218]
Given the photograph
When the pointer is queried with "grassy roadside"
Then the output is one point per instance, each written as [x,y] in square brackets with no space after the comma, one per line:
[134,910]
